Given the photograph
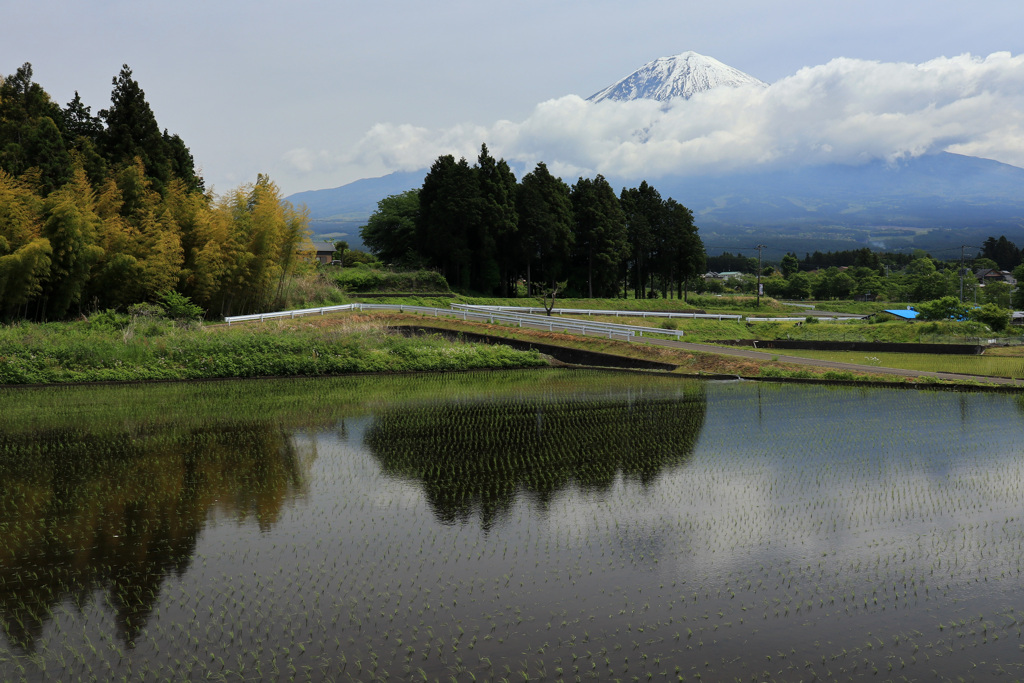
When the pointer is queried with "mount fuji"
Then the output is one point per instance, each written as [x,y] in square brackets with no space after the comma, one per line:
[683,75]
[933,202]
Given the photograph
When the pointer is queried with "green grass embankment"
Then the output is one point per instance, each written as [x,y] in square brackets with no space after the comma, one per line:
[80,352]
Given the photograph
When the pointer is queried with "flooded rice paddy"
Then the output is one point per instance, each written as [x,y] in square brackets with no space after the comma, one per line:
[541,525]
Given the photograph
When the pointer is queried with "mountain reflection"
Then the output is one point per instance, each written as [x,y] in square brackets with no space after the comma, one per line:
[110,516]
[475,457]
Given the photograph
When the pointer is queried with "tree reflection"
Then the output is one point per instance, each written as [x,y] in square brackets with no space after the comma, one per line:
[477,456]
[110,516]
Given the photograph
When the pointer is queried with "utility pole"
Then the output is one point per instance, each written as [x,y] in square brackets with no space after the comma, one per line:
[759,248]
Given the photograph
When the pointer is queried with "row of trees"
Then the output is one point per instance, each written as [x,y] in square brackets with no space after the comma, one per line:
[485,232]
[923,279]
[106,211]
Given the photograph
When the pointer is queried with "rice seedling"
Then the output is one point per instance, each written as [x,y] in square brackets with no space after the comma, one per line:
[518,525]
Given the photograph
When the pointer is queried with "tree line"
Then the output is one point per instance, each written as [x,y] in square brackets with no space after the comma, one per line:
[104,211]
[488,233]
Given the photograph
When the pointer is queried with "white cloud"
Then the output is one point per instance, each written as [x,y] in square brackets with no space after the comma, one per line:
[846,111]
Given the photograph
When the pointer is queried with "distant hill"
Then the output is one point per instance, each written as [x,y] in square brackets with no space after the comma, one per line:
[932,202]
[338,213]
[357,200]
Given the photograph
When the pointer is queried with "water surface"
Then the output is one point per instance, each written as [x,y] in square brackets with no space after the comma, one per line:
[545,525]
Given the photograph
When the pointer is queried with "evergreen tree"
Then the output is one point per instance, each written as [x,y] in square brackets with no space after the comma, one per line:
[30,135]
[132,130]
[79,121]
[496,232]
[644,211]
[686,258]
[545,226]
[449,218]
[1004,252]
[601,237]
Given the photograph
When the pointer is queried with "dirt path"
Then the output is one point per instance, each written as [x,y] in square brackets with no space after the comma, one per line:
[796,360]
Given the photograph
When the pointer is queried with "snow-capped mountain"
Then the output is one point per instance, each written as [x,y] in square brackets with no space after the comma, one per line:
[683,76]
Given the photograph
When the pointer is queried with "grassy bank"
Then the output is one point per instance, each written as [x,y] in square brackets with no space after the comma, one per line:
[85,352]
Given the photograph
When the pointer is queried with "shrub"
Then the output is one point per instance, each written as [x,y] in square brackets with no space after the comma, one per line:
[109,320]
[946,308]
[995,317]
[179,307]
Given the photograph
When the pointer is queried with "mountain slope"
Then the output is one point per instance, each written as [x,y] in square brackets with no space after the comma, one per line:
[682,75]
[358,199]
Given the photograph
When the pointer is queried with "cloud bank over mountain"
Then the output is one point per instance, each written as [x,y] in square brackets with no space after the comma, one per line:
[846,111]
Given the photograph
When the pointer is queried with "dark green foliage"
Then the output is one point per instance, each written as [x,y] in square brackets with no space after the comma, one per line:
[390,232]
[644,210]
[486,233]
[132,130]
[798,286]
[833,284]
[545,226]
[449,220]
[992,315]
[790,264]
[496,233]
[30,136]
[79,121]
[179,306]
[946,308]
[601,240]
[1004,252]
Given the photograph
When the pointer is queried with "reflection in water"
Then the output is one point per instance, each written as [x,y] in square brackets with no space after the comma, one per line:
[475,456]
[119,512]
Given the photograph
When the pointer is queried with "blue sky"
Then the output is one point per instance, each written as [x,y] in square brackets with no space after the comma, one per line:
[320,93]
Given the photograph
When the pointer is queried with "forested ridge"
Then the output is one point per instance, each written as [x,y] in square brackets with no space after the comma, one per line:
[486,233]
[104,211]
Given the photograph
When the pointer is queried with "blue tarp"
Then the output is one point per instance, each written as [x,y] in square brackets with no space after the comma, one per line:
[905,313]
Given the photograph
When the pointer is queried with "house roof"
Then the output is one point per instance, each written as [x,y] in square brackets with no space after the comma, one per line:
[324,246]
[905,313]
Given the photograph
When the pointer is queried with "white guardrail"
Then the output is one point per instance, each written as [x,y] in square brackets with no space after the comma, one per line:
[591,312]
[554,324]
[483,314]
[523,316]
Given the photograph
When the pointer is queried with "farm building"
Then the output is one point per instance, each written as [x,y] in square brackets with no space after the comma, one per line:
[324,251]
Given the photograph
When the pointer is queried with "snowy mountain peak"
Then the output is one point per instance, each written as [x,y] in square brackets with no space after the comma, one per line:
[683,76]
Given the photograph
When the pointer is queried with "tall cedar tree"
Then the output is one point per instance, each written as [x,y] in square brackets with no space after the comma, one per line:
[30,135]
[132,131]
[449,215]
[644,212]
[498,224]
[687,259]
[545,226]
[601,238]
